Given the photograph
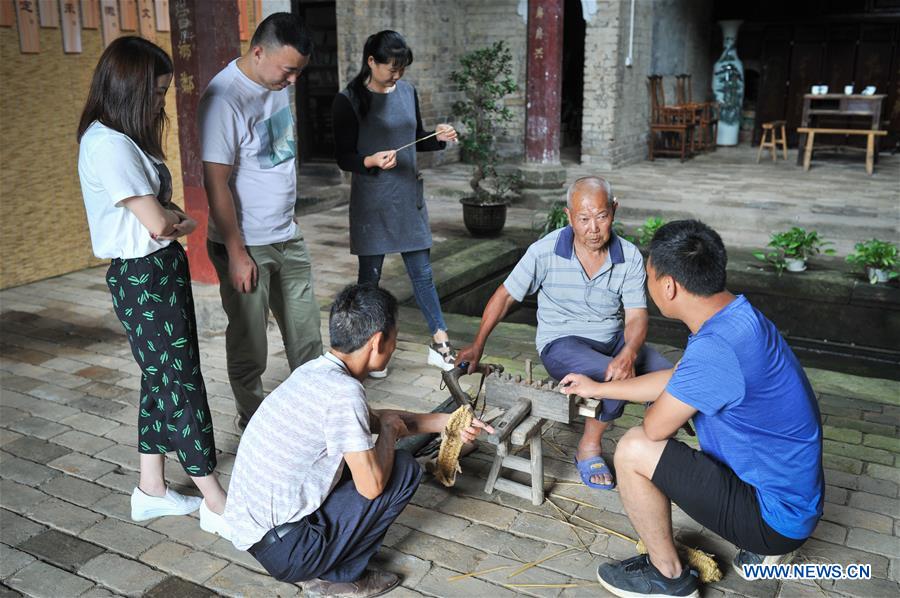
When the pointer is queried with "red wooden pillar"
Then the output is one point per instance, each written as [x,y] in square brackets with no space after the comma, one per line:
[544,81]
[204,40]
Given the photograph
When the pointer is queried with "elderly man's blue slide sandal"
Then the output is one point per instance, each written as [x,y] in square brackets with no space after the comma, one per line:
[594,466]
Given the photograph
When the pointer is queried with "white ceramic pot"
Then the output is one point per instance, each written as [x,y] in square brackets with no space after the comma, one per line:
[877,275]
[794,264]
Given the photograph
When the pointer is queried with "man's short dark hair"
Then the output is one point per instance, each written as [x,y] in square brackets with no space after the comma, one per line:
[283,29]
[691,253]
[358,312]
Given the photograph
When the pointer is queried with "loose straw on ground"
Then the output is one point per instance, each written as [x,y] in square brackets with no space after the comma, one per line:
[562,514]
[475,573]
[703,562]
[551,585]
[528,566]
[574,500]
[555,447]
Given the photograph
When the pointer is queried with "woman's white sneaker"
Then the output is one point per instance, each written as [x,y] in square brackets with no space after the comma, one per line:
[441,355]
[213,523]
[144,506]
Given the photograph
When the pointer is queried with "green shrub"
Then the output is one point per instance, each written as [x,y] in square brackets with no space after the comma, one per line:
[881,255]
[648,229]
[793,244]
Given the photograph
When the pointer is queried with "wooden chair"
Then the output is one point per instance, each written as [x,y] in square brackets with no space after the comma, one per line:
[771,139]
[673,124]
[706,114]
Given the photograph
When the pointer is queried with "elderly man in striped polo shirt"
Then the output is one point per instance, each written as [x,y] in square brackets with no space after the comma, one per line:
[584,275]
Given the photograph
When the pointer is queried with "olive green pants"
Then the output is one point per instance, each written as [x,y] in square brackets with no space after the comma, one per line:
[285,286]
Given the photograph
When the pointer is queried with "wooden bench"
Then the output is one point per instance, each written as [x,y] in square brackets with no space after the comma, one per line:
[870,144]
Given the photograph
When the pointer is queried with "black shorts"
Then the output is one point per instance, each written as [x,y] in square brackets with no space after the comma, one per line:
[714,496]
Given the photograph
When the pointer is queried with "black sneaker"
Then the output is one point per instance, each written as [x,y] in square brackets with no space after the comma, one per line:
[745,557]
[637,577]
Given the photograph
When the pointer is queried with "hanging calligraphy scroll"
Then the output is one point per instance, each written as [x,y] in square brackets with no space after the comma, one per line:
[71,26]
[127,15]
[27,23]
[90,14]
[162,15]
[49,12]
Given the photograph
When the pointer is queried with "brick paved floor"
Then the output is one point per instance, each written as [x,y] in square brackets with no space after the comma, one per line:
[68,463]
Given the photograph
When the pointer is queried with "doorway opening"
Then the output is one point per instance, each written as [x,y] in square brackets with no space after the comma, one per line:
[319,84]
[572,81]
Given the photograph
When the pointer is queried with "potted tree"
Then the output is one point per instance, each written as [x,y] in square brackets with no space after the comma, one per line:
[878,258]
[484,78]
[791,249]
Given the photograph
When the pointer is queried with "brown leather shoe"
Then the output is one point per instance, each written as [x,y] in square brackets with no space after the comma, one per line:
[372,583]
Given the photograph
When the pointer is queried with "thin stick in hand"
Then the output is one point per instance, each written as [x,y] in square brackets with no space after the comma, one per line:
[418,140]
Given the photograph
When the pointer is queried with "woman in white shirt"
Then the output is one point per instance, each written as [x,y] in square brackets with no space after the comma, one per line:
[127,192]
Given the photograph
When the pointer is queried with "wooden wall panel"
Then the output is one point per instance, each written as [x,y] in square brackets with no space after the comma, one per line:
[128,20]
[146,20]
[892,102]
[109,20]
[71,26]
[840,56]
[7,13]
[27,24]
[806,70]
[162,15]
[771,100]
[49,12]
[90,14]
[873,60]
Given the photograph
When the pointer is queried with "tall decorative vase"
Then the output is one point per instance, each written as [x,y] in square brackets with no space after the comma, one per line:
[728,85]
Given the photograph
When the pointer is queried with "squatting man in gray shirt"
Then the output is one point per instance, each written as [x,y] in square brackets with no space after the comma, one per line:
[292,503]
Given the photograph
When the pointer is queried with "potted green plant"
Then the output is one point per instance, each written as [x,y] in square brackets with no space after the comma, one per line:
[485,78]
[648,229]
[791,249]
[556,218]
[878,258]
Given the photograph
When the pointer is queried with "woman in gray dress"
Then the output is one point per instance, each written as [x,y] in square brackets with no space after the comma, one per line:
[375,114]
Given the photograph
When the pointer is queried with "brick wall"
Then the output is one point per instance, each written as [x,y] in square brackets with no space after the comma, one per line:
[486,23]
[681,44]
[432,29]
[616,105]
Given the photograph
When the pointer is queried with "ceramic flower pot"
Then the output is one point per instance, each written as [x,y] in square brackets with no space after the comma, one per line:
[794,264]
[481,219]
[877,275]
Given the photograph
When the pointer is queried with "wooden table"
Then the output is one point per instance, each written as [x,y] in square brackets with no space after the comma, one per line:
[866,108]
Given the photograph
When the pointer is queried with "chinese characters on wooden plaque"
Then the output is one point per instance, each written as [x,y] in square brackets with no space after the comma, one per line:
[71,26]
[112,17]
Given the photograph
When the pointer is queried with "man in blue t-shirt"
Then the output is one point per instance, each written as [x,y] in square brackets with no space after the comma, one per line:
[757,480]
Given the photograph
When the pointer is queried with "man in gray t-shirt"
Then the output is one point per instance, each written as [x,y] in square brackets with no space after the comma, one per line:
[248,148]
[311,495]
